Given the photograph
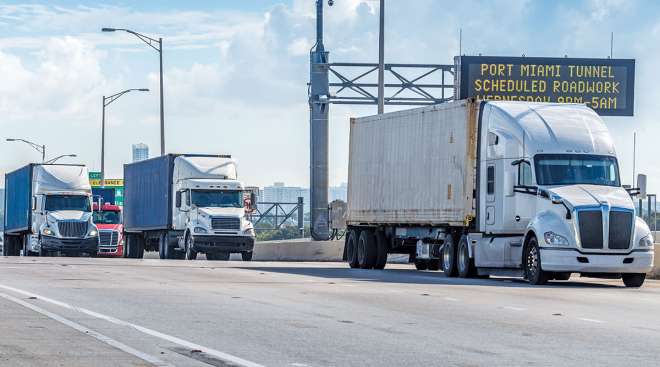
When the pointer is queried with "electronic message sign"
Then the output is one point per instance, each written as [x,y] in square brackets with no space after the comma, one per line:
[606,85]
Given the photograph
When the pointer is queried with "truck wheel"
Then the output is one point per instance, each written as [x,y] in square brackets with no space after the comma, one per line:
[466,267]
[449,257]
[190,253]
[633,280]
[164,249]
[351,248]
[533,271]
[433,264]
[381,250]
[421,264]
[247,255]
[367,250]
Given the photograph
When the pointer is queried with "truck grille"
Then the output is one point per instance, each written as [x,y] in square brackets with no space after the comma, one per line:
[591,229]
[590,223]
[226,223]
[72,228]
[620,230]
[108,238]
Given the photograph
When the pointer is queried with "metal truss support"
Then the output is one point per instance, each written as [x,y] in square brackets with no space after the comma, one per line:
[430,84]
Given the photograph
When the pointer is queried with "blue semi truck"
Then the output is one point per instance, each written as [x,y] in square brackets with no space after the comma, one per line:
[48,211]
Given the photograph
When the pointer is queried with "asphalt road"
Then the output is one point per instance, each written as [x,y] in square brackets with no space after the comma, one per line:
[124,312]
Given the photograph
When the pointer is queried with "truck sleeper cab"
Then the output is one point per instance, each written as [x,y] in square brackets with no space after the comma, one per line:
[506,188]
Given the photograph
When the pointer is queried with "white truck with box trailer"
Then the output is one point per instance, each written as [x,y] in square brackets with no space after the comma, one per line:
[184,204]
[493,188]
[48,210]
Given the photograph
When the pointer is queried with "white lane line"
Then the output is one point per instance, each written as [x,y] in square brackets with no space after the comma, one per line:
[512,308]
[451,299]
[172,339]
[87,331]
[590,320]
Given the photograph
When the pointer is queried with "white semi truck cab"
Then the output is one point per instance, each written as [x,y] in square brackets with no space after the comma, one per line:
[50,211]
[500,188]
[210,209]
[185,204]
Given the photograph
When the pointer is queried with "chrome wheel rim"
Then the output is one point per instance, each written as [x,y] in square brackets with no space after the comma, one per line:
[461,260]
[532,261]
[446,257]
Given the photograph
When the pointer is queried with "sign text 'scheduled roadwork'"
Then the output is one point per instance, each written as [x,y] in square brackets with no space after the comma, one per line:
[606,85]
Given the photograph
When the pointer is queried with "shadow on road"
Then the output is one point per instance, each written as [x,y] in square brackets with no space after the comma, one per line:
[409,276]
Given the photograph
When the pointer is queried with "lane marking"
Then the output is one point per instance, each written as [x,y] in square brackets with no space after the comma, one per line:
[170,338]
[451,299]
[512,308]
[87,331]
[590,320]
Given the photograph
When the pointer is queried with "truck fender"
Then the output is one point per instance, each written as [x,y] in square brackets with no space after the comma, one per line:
[546,221]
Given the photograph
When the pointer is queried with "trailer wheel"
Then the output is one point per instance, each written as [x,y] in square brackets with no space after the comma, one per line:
[449,257]
[10,247]
[381,246]
[163,247]
[466,267]
[367,250]
[532,263]
[351,248]
[633,280]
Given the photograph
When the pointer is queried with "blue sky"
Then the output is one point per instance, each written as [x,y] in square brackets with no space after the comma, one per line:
[236,71]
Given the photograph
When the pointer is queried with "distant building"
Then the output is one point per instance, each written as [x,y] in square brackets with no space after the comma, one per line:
[338,192]
[280,193]
[140,152]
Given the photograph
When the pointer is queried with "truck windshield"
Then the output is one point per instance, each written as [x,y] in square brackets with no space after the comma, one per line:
[107,217]
[218,199]
[67,202]
[571,169]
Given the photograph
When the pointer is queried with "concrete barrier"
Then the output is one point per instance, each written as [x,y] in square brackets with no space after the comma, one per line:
[298,250]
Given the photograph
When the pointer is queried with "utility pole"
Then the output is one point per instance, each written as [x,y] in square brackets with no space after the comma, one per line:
[162,108]
[318,131]
[381,59]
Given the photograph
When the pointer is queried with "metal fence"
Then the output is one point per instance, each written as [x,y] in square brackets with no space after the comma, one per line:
[274,215]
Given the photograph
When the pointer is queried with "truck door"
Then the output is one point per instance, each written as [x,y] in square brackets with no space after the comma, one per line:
[490,253]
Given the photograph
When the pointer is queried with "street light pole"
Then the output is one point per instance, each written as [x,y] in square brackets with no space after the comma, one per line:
[39,148]
[162,112]
[53,160]
[105,101]
[150,42]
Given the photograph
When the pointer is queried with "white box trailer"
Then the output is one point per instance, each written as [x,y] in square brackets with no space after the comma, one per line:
[493,188]
[414,166]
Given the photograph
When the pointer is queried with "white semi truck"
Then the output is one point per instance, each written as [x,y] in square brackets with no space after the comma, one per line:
[493,188]
[184,204]
[48,210]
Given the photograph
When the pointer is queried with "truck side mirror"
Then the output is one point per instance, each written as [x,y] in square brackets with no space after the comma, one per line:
[253,201]
[34,203]
[178,199]
[641,184]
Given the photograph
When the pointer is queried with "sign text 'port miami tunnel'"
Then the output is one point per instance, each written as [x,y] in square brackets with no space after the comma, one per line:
[607,85]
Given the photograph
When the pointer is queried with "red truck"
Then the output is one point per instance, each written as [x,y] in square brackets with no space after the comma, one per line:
[108,219]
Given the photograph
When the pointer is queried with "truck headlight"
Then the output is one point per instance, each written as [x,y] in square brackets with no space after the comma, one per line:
[200,230]
[551,238]
[47,231]
[93,233]
[647,241]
